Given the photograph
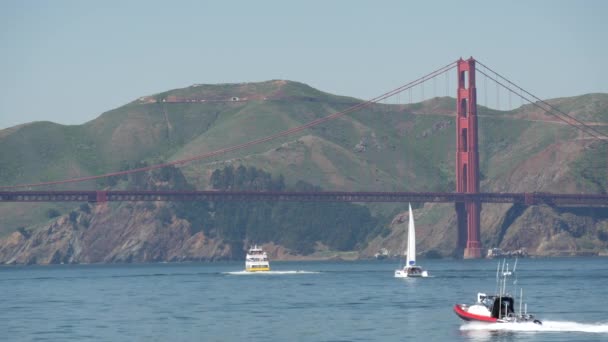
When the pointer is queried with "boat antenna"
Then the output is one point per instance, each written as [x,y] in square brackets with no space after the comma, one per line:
[504,277]
[514,273]
[504,281]
[501,288]
[521,299]
[497,278]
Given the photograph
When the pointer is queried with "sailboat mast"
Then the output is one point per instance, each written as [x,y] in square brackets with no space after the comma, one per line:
[411,240]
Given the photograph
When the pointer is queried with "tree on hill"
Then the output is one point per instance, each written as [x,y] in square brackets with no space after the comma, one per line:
[298,226]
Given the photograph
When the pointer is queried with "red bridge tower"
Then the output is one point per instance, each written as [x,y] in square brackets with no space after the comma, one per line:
[467,160]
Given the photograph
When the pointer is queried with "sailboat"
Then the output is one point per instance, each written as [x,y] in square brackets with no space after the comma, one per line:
[411,269]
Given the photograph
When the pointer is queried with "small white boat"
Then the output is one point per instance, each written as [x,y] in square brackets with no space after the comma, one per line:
[256,260]
[499,308]
[411,269]
[381,254]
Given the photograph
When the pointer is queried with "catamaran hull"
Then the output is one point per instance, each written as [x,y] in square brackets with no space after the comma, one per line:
[402,274]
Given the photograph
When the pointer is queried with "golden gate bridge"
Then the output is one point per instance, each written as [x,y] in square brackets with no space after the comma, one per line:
[467,197]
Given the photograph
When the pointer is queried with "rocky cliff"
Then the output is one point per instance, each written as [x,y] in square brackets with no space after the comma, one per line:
[129,233]
[540,230]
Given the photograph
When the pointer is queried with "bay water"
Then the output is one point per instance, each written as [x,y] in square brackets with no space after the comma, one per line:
[298,301]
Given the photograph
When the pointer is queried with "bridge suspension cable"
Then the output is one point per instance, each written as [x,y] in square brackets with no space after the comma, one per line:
[602,138]
[290,131]
[534,100]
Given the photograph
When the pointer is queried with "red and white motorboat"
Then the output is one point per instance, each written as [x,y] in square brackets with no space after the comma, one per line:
[499,308]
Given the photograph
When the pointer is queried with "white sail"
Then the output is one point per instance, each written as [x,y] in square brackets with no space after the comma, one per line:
[411,241]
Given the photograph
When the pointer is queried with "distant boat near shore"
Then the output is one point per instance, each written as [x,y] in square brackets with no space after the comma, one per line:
[381,254]
[499,253]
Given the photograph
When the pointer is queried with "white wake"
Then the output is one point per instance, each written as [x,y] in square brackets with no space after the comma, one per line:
[270,272]
[550,326]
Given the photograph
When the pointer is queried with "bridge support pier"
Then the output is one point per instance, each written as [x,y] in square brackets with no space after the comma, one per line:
[473,247]
[461,221]
[467,159]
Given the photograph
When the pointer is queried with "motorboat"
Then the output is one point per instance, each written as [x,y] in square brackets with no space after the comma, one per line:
[256,260]
[410,269]
[499,308]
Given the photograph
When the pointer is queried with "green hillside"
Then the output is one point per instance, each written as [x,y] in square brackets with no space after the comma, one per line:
[379,148]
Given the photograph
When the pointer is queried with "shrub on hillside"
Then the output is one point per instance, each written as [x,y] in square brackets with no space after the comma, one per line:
[73,216]
[164,215]
[84,207]
[51,213]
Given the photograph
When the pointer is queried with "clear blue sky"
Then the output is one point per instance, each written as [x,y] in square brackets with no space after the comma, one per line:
[69,61]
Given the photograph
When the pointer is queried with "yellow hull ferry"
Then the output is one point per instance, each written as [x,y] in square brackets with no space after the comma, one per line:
[256,260]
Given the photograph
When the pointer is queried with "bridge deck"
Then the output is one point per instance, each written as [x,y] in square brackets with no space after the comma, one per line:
[325,196]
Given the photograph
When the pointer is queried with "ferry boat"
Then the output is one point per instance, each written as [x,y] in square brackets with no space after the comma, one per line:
[499,308]
[256,260]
